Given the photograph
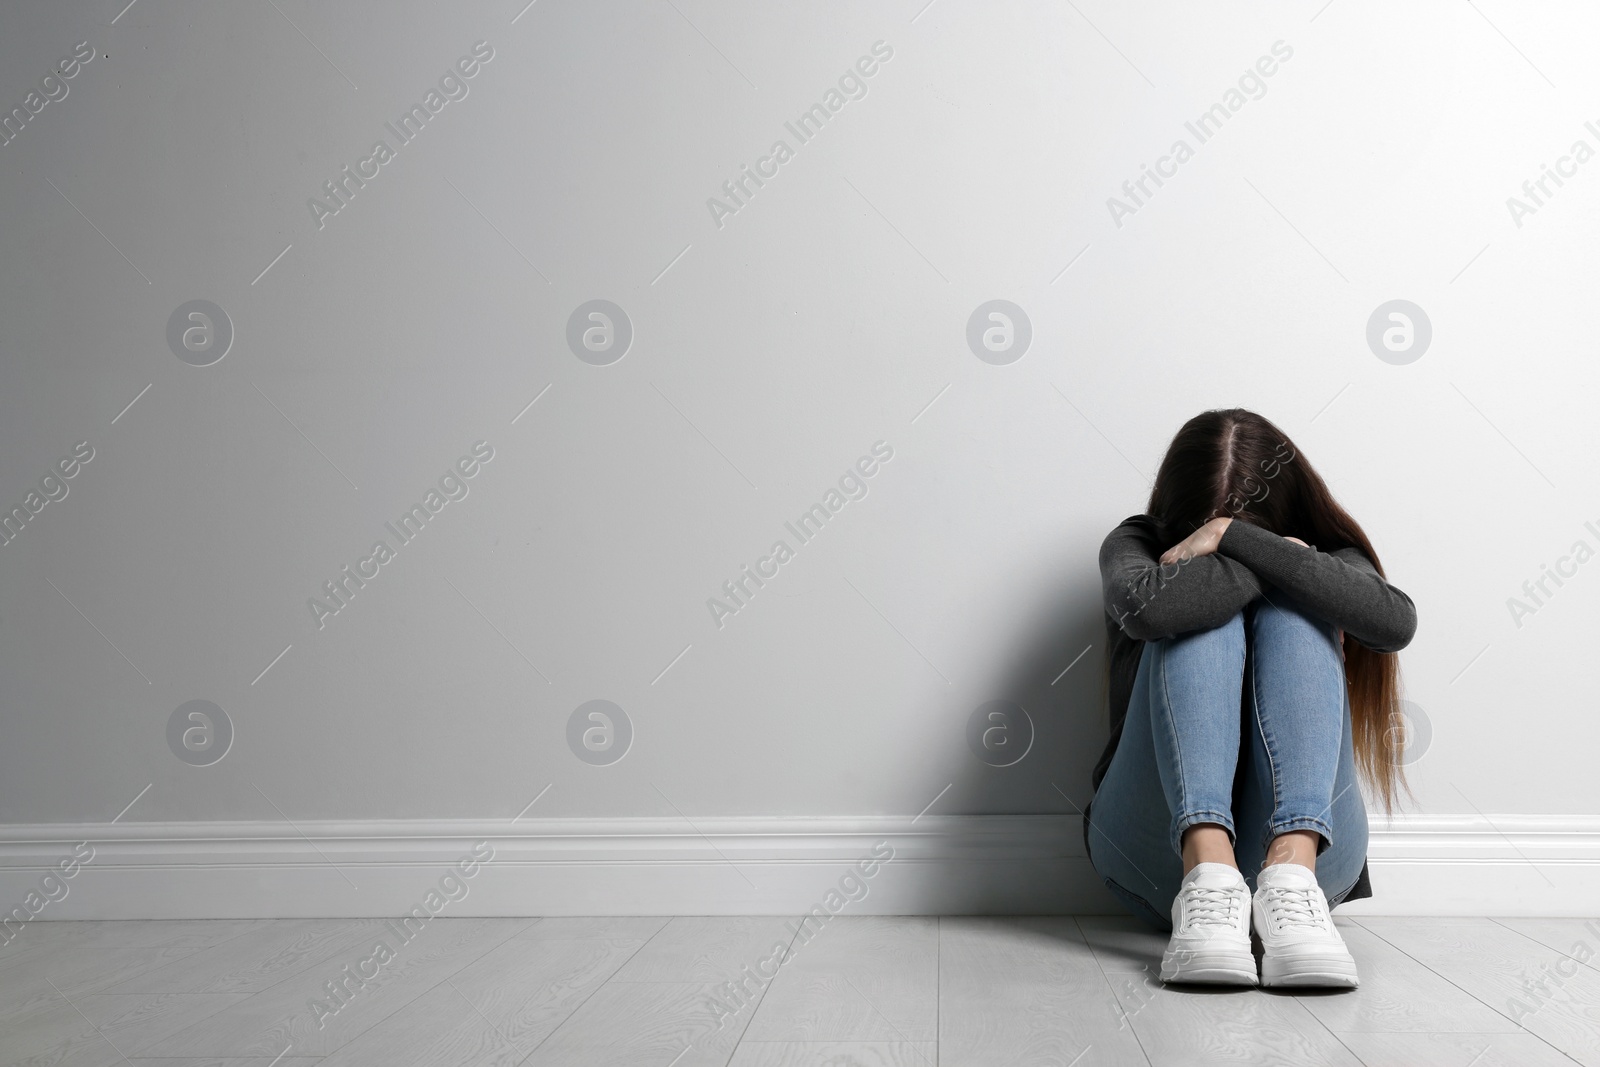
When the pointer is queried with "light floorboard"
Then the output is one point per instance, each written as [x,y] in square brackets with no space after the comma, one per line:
[1027,991]
[301,1015]
[707,991]
[1543,990]
[859,978]
[254,960]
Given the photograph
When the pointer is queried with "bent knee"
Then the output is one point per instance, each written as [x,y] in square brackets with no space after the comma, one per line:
[1227,635]
[1282,614]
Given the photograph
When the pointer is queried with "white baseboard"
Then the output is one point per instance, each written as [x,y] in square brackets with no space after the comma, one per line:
[1506,865]
[996,864]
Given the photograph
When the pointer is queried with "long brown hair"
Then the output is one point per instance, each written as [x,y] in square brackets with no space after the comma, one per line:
[1233,463]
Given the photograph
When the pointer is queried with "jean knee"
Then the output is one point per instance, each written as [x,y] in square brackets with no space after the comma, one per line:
[1228,633]
[1283,612]
[1196,649]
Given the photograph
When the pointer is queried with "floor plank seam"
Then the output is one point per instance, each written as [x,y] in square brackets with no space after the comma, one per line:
[579,1006]
[1551,948]
[353,1038]
[1105,977]
[1023,990]
[1422,963]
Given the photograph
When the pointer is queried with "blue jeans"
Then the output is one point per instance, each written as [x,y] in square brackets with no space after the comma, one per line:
[1246,726]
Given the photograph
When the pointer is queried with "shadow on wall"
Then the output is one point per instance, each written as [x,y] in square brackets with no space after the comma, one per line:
[1032,744]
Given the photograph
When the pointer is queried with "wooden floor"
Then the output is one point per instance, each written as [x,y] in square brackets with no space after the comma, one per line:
[862,992]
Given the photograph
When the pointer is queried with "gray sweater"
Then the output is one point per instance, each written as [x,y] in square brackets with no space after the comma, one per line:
[1145,601]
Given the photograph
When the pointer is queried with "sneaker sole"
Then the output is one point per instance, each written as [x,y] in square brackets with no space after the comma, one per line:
[1324,973]
[1210,968]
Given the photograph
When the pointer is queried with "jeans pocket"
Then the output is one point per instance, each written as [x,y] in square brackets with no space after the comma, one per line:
[1335,901]
[1139,906]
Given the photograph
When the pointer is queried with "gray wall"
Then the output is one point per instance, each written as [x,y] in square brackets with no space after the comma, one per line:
[770,350]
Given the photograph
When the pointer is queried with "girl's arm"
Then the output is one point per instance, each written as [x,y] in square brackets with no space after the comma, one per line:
[1342,587]
[1149,600]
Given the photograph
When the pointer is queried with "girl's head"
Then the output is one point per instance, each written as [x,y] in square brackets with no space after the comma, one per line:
[1235,464]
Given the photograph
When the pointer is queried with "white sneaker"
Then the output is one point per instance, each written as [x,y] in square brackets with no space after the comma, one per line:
[1210,929]
[1300,945]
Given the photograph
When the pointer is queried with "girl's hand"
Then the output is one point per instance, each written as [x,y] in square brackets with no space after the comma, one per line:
[1297,541]
[1202,542]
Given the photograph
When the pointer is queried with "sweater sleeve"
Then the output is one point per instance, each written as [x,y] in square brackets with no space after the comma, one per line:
[1150,601]
[1342,587]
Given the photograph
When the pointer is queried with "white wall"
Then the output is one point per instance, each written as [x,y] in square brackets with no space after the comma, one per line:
[768,354]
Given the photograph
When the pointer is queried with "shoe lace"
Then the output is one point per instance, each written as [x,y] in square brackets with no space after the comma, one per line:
[1294,907]
[1205,906]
